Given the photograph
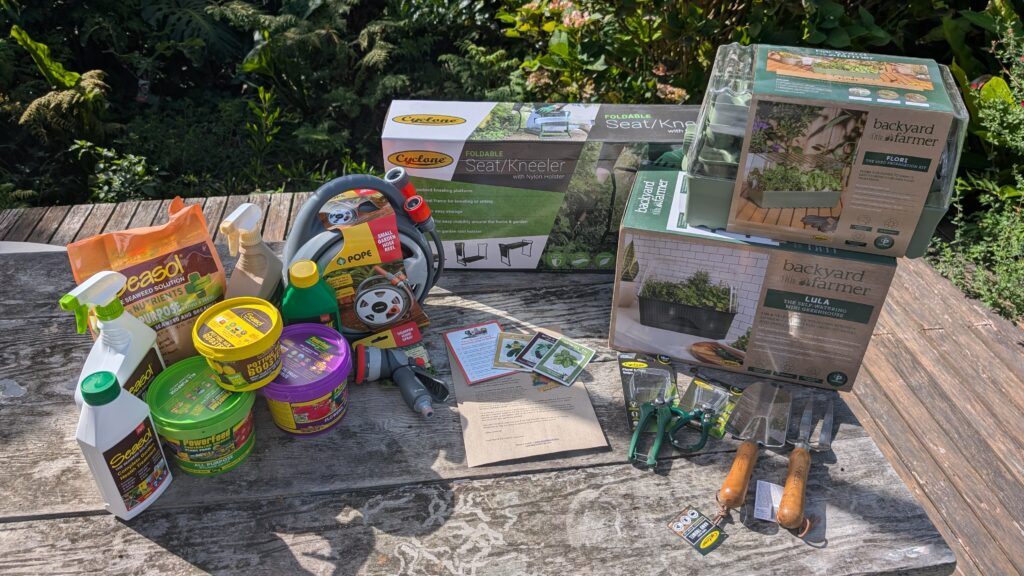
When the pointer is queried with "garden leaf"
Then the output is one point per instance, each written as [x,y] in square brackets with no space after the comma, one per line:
[559,44]
[831,9]
[1007,192]
[838,38]
[52,70]
[598,66]
[551,62]
[996,89]
[981,20]
[865,16]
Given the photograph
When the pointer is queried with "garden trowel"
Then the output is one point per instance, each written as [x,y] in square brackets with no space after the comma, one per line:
[761,417]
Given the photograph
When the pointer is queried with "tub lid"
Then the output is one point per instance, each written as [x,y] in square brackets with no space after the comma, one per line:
[236,329]
[186,396]
[315,359]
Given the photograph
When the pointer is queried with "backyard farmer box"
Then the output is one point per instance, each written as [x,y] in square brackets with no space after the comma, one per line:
[526,186]
[849,150]
[788,311]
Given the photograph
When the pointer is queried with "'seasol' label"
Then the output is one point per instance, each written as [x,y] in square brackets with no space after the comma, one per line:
[137,465]
[138,383]
[169,291]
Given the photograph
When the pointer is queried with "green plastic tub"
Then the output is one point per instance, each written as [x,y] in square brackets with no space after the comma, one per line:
[206,429]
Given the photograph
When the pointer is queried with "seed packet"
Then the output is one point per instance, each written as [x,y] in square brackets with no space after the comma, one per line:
[510,344]
[564,361]
[173,271]
[535,350]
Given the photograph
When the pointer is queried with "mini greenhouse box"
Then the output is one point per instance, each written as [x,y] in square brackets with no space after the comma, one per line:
[788,311]
[524,186]
[851,150]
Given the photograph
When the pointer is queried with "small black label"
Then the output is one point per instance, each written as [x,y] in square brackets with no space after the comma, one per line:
[697,529]
[888,231]
[144,374]
[859,227]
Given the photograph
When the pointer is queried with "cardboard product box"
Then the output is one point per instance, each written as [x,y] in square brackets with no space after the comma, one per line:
[850,150]
[524,186]
[788,311]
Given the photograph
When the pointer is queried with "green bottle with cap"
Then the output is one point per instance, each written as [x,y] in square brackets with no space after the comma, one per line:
[121,446]
[309,298]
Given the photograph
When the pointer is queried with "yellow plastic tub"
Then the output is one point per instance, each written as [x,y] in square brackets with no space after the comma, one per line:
[241,341]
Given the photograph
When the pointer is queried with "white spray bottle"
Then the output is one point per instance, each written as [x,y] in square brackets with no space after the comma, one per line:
[121,446]
[258,270]
[125,346]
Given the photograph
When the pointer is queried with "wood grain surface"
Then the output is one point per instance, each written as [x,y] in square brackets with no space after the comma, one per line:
[388,492]
[597,520]
[377,430]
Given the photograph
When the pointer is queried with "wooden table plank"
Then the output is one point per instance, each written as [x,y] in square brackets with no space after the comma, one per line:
[993,382]
[26,223]
[927,478]
[603,520]
[232,202]
[96,222]
[122,216]
[298,199]
[979,485]
[72,223]
[278,213]
[263,201]
[48,224]
[213,210]
[145,214]
[8,218]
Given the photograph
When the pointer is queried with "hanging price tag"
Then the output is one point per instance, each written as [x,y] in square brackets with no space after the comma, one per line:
[697,529]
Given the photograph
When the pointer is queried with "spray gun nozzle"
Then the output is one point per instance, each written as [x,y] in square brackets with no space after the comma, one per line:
[242,227]
[100,293]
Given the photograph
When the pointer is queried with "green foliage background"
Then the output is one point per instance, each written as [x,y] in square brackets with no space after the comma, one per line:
[105,100]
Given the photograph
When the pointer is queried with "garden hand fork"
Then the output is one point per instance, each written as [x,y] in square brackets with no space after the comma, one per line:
[791,507]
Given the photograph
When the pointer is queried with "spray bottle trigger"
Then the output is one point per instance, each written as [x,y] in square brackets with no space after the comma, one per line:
[69,303]
[242,221]
[435,386]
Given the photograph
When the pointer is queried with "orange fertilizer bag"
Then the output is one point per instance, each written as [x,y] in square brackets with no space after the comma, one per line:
[173,271]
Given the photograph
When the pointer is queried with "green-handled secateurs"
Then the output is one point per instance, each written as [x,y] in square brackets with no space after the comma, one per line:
[669,421]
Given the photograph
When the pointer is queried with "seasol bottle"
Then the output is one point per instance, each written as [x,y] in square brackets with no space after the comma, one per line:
[125,345]
[258,270]
[120,445]
[308,298]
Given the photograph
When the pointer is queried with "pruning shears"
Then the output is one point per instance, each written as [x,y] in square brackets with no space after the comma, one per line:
[670,420]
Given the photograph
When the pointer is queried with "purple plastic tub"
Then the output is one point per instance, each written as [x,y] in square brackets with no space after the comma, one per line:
[310,395]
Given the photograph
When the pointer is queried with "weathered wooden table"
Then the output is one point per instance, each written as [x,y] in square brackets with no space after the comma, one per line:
[388,492]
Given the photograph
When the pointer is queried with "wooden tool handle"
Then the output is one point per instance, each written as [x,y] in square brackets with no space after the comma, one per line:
[734,489]
[791,508]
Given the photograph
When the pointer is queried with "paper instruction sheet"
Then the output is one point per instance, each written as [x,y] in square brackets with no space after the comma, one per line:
[521,415]
[472,349]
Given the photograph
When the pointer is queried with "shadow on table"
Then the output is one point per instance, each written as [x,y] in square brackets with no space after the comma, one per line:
[323,534]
